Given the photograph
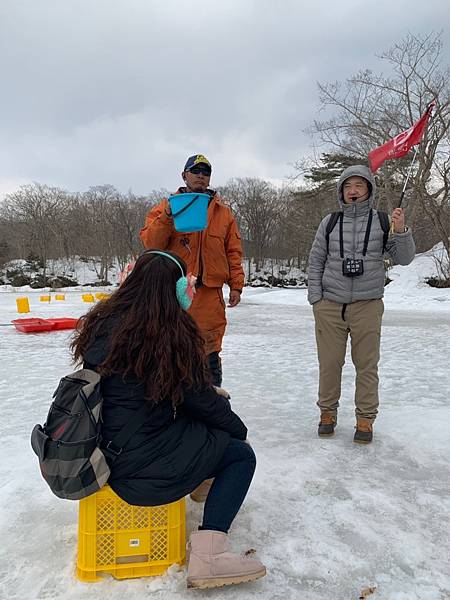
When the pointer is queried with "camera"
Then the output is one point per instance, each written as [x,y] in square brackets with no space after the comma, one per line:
[352,267]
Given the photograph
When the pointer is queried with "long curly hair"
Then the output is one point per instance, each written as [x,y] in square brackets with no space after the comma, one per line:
[152,337]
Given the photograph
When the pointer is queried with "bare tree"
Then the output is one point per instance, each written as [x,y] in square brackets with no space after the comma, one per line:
[100,225]
[99,235]
[127,217]
[257,206]
[370,108]
[37,210]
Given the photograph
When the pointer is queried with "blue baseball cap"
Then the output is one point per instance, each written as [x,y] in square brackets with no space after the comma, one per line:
[197,159]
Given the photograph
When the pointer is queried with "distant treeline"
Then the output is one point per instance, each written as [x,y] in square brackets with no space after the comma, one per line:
[42,222]
[368,109]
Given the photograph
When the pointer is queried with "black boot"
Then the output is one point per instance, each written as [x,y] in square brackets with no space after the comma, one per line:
[327,424]
[215,366]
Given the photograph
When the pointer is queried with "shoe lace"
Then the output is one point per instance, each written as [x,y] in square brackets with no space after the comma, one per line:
[327,420]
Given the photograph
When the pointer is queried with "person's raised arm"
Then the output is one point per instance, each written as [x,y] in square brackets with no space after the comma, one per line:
[400,246]
[158,226]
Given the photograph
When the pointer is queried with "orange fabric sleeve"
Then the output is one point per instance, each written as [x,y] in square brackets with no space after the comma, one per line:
[233,249]
[158,227]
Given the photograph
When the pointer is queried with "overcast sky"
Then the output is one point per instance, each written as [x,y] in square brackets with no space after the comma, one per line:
[123,91]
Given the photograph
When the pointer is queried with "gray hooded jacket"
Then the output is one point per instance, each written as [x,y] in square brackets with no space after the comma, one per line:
[325,277]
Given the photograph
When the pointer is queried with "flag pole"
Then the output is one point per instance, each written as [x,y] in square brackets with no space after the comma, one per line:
[428,112]
[408,175]
[416,150]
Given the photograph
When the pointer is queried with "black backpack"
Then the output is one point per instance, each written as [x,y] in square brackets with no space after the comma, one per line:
[72,455]
[382,216]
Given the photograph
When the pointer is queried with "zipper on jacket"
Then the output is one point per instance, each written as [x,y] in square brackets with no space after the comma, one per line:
[354,230]
[201,265]
[354,248]
[200,259]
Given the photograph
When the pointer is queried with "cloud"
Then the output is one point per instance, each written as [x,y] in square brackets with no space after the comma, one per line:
[122,92]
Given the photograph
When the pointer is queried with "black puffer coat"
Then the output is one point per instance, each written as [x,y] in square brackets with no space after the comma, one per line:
[170,454]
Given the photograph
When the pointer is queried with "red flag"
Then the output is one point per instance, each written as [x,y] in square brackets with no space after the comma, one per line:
[401,144]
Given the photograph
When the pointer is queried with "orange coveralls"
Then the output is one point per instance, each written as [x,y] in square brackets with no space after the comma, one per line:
[214,255]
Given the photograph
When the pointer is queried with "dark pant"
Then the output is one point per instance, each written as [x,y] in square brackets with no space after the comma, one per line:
[232,478]
[215,366]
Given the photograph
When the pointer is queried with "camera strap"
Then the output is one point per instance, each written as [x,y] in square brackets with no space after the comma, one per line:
[368,228]
[366,236]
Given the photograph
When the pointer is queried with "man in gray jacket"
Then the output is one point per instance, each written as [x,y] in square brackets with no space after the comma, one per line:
[345,286]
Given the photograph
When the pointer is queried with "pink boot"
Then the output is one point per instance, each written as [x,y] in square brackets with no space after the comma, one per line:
[212,565]
[201,491]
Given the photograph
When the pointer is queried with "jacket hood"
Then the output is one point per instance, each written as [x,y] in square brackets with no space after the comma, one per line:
[357,171]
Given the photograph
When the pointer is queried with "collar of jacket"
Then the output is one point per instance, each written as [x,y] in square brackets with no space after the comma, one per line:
[362,208]
[184,190]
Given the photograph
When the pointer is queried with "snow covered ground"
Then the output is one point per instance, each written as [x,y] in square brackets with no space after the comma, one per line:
[327,517]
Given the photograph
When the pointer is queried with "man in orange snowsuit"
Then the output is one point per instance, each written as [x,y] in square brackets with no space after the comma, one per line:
[213,255]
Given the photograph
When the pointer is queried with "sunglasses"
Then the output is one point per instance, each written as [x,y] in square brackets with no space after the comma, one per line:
[200,171]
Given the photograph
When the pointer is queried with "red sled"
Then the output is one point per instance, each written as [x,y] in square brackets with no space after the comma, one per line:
[36,325]
[32,325]
[63,323]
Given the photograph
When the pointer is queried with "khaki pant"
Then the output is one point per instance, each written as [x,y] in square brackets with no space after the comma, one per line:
[208,310]
[362,320]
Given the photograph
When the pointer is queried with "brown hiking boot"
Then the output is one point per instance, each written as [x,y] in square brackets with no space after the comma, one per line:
[363,433]
[327,424]
[201,492]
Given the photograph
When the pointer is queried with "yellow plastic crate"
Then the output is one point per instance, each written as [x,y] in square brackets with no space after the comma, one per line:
[128,541]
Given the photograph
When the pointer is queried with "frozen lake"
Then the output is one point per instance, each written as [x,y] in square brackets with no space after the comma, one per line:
[327,517]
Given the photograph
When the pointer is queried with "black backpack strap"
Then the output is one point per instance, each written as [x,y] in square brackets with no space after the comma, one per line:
[331,223]
[367,235]
[114,447]
[385,226]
